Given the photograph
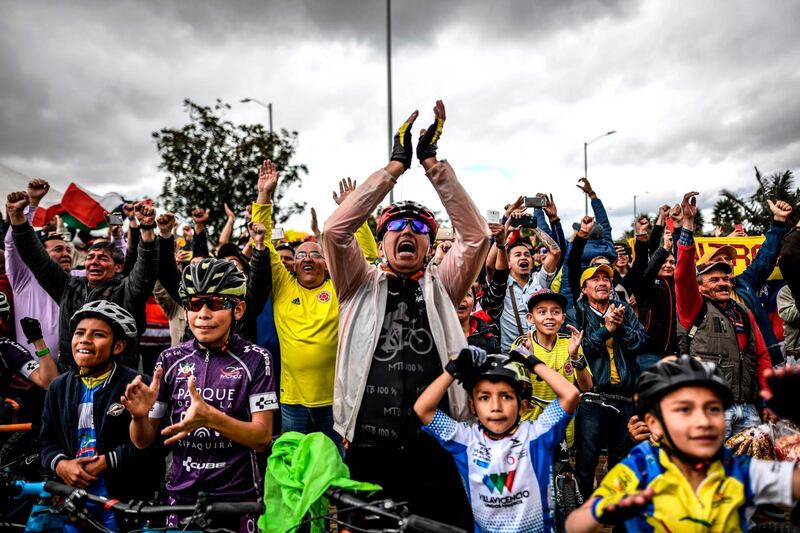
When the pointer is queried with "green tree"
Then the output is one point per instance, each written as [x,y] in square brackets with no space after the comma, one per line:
[776,186]
[727,214]
[211,160]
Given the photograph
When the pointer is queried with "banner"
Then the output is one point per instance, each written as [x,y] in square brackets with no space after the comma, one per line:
[746,250]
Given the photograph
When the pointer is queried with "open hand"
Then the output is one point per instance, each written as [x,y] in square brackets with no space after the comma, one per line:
[140,398]
[315,223]
[267,181]
[346,186]
[549,208]
[198,415]
[576,337]
[627,508]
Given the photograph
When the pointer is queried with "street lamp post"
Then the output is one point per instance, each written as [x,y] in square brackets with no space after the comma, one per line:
[389,80]
[635,212]
[586,166]
[262,104]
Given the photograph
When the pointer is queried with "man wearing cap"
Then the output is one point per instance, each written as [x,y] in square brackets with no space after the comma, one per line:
[612,339]
[719,329]
[399,327]
[748,284]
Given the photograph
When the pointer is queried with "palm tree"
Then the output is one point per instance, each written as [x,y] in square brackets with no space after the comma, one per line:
[727,214]
[757,215]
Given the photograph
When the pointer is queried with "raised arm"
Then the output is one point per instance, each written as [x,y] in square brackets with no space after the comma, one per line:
[463,262]
[168,273]
[764,262]
[345,260]
[687,293]
[47,272]
[262,214]
[227,229]
[575,253]
[259,284]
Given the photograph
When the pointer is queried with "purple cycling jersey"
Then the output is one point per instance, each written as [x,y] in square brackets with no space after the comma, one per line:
[238,380]
[15,358]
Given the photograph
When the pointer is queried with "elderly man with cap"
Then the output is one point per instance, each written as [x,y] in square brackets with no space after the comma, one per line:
[718,329]
[612,339]
[748,284]
[399,327]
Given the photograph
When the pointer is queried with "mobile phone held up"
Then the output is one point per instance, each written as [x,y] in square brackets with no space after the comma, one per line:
[534,201]
[524,221]
[114,219]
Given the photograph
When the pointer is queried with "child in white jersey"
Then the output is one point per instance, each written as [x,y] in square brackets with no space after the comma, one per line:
[504,462]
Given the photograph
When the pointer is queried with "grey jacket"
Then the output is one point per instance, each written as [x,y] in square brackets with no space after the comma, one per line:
[787,309]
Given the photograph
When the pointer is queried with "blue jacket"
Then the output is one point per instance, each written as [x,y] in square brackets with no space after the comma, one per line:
[603,246]
[629,339]
[748,284]
[131,473]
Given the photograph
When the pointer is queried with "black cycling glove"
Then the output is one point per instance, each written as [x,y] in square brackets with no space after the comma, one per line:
[31,328]
[402,151]
[426,146]
[526,358]
[468,361]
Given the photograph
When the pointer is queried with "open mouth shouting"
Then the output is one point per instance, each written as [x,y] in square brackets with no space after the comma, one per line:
[406,249]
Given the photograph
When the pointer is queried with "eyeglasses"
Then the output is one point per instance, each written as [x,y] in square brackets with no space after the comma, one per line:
[400,224]
[214,303]
[312,255]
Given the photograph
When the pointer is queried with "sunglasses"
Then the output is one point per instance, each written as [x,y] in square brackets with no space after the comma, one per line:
[214,303]
[401,223]
[312,255]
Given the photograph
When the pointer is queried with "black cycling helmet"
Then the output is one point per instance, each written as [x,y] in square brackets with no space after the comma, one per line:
[213,276]
[508,368]
[121,321]
[667,376]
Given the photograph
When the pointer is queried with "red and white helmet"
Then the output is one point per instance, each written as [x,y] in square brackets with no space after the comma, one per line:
[407,209]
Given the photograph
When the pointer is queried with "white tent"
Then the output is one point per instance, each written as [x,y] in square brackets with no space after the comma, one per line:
[11,181]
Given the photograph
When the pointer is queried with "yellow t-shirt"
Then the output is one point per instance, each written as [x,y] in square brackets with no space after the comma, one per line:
[307,321]
[558,360]
[716,505]
[613,372]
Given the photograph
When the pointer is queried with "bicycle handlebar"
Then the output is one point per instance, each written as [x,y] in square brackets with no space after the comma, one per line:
[136,509]
[418,523]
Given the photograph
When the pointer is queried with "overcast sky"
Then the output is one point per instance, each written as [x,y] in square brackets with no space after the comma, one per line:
[699,92]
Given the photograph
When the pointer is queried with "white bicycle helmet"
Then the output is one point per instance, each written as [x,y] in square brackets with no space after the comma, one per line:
[120,320]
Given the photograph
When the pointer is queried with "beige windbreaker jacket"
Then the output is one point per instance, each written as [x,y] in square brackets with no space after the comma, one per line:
[362,291]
